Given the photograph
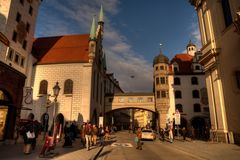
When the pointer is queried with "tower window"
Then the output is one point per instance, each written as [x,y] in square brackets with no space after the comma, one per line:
[158,94]
[194,80]
[163,94]
[156,68]
[30,11]
[162,79]
[197,67]
[22,62]
[14,36]
[195,94]
[10,54]
[18,17]
[24,45]
[178,94]
[175,69]
[161,67]
[196,107]
[157,80]
[28,27]
[177,81]
[16,59]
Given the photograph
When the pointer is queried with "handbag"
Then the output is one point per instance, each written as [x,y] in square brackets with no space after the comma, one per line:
[30,135]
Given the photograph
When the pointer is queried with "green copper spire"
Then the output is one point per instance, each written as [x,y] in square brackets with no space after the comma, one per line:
[101,15]
[93,30]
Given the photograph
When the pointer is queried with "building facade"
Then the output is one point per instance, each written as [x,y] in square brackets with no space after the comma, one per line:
[220,40]
[179,86]
[17,19]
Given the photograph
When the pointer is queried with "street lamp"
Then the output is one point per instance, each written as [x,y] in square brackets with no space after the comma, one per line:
[56,90]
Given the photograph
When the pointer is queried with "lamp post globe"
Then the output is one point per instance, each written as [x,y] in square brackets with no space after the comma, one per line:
[56,90]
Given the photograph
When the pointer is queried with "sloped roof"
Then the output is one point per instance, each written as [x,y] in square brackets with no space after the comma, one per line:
[184,62]
[61,49]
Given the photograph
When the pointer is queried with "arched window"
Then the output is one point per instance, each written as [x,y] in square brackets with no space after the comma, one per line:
[197,107]
[195,94]
[43,87]
[179,107]
[68,86]
[197,67]
[194,80]
[178,94]
[177,81]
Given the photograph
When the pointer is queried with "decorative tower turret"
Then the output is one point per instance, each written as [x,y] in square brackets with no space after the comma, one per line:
[191,48]
[100,28]
[92,41]
[161,88]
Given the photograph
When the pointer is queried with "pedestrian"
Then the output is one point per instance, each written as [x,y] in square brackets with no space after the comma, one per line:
[139,136]
[162,134]
[67,138]
[192,133]
[106,133]
[184,133]
[29,134]
[88,132]
[82,135]
[101,135]
[94,135]
[170,132]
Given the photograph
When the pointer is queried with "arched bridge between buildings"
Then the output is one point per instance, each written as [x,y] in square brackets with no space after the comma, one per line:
[119,101]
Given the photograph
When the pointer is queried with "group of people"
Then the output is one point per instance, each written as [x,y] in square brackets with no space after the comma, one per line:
[88,134]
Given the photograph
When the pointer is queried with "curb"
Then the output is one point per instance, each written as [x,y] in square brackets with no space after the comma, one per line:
[96,156]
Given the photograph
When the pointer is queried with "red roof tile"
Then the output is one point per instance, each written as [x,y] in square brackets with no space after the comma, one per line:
[184,62]
[61,49]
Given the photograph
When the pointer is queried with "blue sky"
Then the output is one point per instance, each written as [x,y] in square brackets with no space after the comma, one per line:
[133,31]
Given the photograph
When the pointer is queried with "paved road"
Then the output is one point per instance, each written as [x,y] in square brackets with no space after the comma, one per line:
[122,147]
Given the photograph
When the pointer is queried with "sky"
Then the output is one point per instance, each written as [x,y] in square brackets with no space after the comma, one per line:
[133,32]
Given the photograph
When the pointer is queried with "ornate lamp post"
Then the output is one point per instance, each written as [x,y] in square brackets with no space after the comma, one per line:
[56,90]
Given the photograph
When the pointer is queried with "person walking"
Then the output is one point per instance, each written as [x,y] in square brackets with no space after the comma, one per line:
[184,133]
[171,132]
[94,135]
[29,136]
[101,135]
[139,136]
[106,133]
[88,131]
[82,135]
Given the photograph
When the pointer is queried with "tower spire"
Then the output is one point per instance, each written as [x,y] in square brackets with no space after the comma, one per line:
[101,16]
[93,30]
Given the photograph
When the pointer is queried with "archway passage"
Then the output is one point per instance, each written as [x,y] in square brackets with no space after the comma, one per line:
[198,126]
[130,118]
[4,112]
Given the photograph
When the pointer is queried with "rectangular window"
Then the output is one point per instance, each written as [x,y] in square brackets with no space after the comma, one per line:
[157,80]
[22,62]
[158,94]
[30,11]
[18,17]
[227,12]
[162,79]
[24,45]
[28,27]
[16,59]
[238,79]
[121,100]
[140,99]
[163,94]
[130,100]
[14,37]
[10,54]
[149,99]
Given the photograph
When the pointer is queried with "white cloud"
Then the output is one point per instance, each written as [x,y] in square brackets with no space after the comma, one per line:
[121,59]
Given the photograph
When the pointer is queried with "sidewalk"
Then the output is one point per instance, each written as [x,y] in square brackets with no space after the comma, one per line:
[77,152]
[207,150]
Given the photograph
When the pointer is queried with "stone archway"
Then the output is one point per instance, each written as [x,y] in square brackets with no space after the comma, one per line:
[5,110]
